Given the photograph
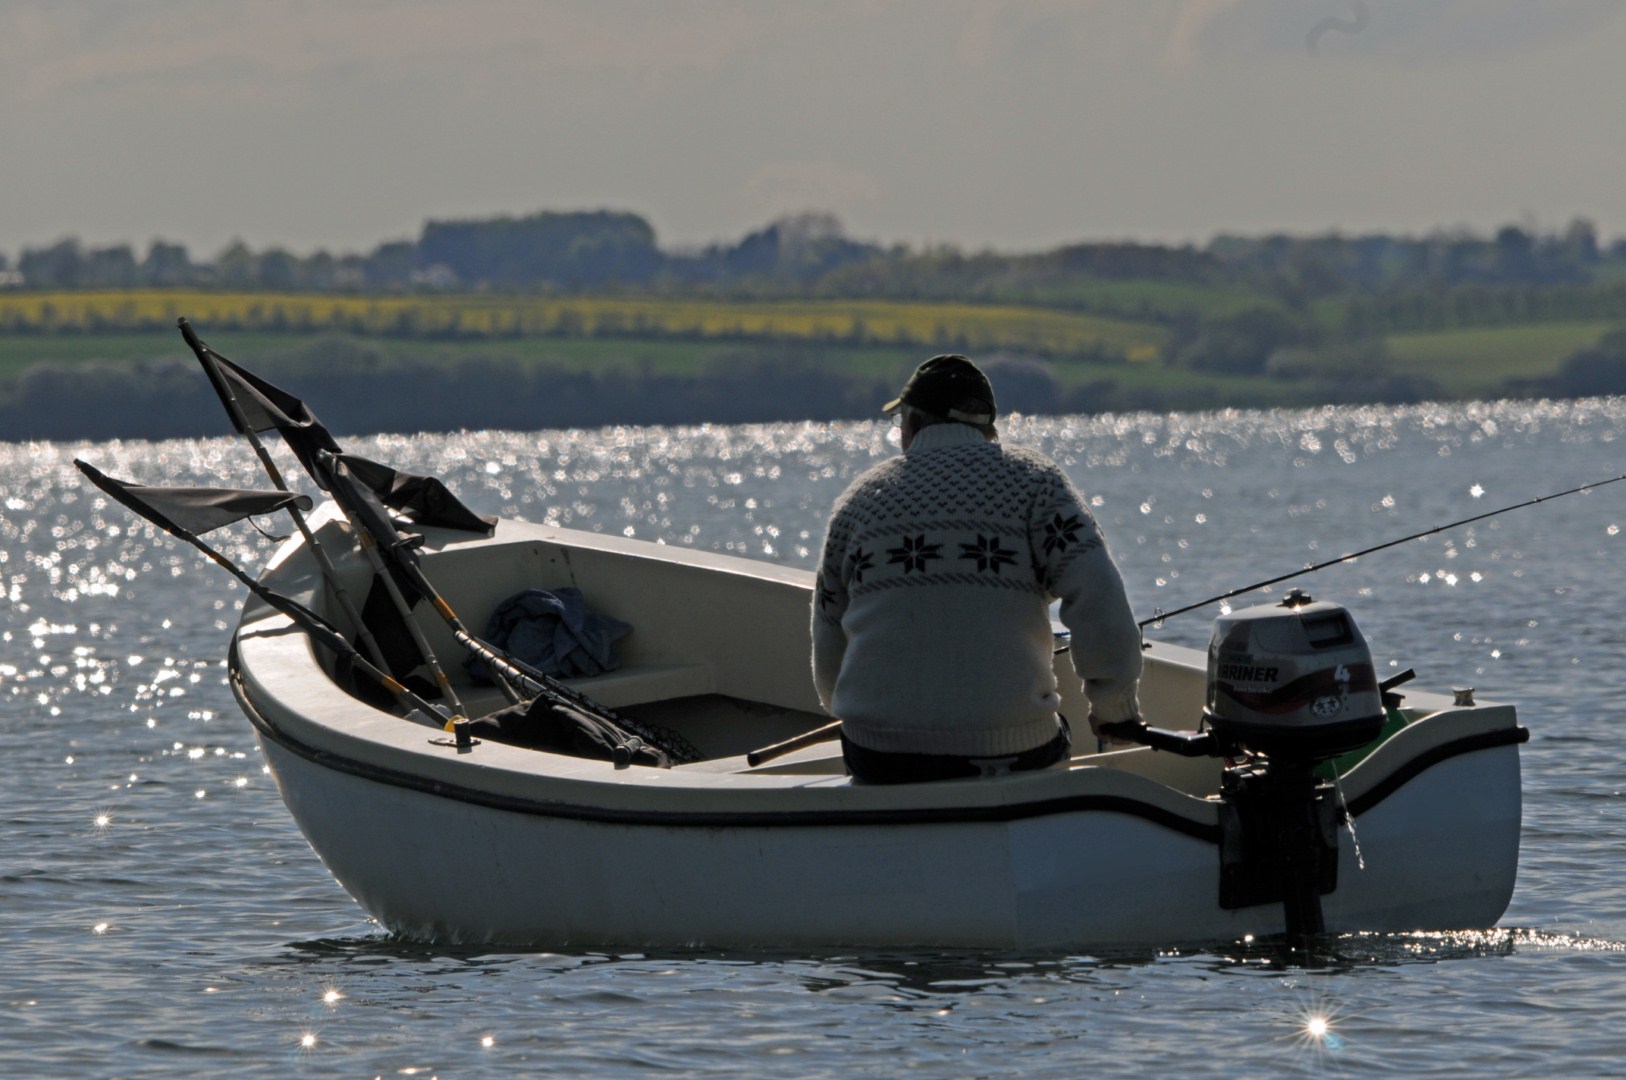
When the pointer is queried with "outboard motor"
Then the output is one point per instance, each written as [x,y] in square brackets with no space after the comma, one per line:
[1292,681]
[1290,685]
[1293,685]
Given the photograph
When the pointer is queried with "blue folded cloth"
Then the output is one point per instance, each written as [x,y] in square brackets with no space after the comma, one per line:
[554,633]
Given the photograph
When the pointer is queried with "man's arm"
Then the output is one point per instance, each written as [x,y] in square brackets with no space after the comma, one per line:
[829,602]
[1077,567]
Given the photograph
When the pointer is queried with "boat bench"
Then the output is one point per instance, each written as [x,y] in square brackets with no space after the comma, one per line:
[616,690]
[635,685]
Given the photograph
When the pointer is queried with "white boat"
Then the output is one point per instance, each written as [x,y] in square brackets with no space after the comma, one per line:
[496,843]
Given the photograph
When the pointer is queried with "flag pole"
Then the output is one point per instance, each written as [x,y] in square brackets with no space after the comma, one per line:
[330,573]
[207,357]
[324,460]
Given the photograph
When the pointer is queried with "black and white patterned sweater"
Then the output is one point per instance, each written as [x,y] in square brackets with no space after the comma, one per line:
[931,624]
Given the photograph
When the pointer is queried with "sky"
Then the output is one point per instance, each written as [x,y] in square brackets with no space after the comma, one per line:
[1013,125]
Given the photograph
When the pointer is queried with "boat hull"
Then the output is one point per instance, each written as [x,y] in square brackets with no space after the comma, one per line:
[450,866]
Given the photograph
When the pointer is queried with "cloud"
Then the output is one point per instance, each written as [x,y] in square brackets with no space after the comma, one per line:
[1190,29]
[1333,24]
[993,31]
[192,47]
[1397,31]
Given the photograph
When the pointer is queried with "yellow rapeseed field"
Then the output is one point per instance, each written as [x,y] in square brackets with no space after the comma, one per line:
[971,326]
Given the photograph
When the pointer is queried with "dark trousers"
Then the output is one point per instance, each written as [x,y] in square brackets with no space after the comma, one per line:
[881,767]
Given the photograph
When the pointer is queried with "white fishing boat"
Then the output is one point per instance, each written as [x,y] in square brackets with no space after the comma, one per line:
[487,842]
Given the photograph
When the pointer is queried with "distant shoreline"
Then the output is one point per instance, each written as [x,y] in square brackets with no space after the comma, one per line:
[105,365]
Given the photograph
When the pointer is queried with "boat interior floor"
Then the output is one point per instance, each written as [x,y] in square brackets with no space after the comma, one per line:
[722,727]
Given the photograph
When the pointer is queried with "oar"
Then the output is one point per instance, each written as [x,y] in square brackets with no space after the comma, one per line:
[829,731]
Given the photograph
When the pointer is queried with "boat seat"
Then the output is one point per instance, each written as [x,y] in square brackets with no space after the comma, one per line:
[637,684]
[616,690]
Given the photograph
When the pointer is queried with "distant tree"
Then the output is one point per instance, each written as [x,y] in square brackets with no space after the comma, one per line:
[277,269]
[60,266]
[166,265]
[797,250]
[1239,344]
[570,250]
[1580,241]
[318,272]
[350,272]
[1515,254]
[236,267]
[757,253]
[391,265]
[1143,261]
[109,268]
[1595,371]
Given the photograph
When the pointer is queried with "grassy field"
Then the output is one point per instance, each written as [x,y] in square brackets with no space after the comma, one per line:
[1140,298]
[289,352]
[685,337]
[981,327]
[1476,363]
[19,352]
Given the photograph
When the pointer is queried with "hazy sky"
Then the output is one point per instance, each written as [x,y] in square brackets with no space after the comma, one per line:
[1011,124]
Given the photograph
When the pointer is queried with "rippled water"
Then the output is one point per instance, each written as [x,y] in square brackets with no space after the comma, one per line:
[162,915]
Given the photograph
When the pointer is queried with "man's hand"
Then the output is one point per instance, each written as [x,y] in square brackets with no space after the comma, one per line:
[1113,733]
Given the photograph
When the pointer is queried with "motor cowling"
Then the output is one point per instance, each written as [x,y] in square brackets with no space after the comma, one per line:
[1292,680]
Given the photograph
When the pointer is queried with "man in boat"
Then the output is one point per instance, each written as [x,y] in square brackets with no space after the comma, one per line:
[932,639]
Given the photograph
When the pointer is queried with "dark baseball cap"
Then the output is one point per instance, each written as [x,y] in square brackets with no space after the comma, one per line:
[948,385]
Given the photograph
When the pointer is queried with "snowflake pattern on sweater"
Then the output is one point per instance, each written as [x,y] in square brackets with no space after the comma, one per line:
[914,511]
[931,621]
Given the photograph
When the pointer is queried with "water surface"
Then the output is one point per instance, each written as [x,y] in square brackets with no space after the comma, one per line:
[163,916]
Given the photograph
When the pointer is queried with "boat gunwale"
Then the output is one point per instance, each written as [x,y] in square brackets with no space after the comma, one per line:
[1001,812]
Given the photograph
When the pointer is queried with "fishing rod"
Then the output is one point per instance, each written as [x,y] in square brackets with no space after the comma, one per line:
[1159,617]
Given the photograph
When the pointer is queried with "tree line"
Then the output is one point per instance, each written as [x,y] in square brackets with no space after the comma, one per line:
[809,254]
[547,251]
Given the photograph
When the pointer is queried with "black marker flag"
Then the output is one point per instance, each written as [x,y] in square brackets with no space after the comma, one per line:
[256,405]
[192,509]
